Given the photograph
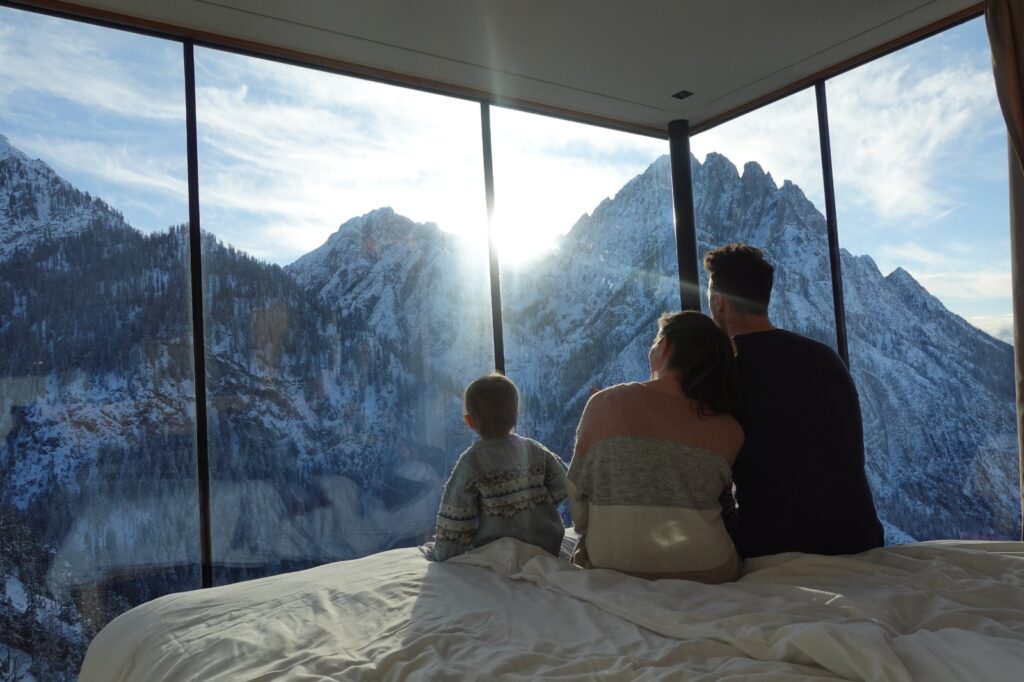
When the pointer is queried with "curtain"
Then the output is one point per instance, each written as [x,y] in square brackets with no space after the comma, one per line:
[1017,256]
[1005,22]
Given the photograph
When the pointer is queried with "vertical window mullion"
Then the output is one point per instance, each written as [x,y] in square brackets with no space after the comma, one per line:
[492,246]
[198,334]
[832,223]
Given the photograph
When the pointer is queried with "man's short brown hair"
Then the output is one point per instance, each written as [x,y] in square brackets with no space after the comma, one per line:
[493,403]
[742,274]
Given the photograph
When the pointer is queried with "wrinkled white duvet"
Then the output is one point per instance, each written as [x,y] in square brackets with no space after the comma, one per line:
[931,611]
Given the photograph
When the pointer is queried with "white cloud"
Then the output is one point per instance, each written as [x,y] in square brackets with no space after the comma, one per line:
[912,252]
[965,285]
[899,126]
[999,326]
[121,164]
[104,108]
[85,65]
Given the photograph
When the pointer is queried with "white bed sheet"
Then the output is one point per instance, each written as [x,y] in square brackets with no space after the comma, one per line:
[930,611]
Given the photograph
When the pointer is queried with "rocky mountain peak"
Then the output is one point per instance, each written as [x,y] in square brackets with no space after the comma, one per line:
[717,166]
[756,181]
[361,241]
[36,204]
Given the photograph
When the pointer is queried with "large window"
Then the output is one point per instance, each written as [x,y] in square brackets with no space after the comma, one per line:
[583,220]
[919,155]
[347,306]
[98,506]
[760,182]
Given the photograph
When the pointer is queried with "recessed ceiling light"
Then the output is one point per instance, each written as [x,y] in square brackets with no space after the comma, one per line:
[682,94]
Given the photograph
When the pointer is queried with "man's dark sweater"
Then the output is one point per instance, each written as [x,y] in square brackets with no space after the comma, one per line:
[800,482]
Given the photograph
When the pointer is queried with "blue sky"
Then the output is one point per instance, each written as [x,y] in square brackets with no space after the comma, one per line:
[288,154]
[920,164]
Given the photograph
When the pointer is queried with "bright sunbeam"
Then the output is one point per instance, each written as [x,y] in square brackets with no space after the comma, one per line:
[520,241]
[549,172]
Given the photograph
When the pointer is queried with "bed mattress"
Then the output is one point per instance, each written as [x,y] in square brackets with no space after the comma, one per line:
[928,611]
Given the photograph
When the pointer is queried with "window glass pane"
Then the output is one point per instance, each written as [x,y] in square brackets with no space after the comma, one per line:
[98,506]
[588,262]
[760,183]
[348,305]
[919,156]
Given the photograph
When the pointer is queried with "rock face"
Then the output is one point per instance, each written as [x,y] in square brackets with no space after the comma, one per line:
[334,384]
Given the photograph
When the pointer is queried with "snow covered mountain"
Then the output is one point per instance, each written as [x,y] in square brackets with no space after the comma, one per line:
[334,384]
[39,206]
[422,296]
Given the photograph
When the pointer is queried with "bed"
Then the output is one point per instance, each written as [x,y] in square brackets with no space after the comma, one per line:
[927,611]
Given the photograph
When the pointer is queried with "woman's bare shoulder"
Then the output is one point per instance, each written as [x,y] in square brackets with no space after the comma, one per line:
[612,394]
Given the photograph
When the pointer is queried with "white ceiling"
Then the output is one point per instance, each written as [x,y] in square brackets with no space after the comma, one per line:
[613,61]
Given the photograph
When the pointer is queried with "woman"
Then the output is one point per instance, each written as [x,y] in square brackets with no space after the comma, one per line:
[653,458]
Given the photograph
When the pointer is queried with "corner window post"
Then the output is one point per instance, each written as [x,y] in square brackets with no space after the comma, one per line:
[685,221]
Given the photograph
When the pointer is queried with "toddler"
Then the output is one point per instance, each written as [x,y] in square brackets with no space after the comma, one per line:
[503,485]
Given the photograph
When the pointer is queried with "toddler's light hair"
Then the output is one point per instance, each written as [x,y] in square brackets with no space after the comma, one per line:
[493,403]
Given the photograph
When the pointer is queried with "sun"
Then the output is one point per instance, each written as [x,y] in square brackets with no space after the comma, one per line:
[521,238]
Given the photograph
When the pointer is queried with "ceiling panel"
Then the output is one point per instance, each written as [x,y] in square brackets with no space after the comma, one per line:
[603,60]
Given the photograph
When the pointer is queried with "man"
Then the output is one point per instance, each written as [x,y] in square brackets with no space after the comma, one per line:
[800,482]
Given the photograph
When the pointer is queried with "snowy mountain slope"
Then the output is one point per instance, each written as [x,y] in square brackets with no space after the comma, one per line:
[37,205]
[584,316]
